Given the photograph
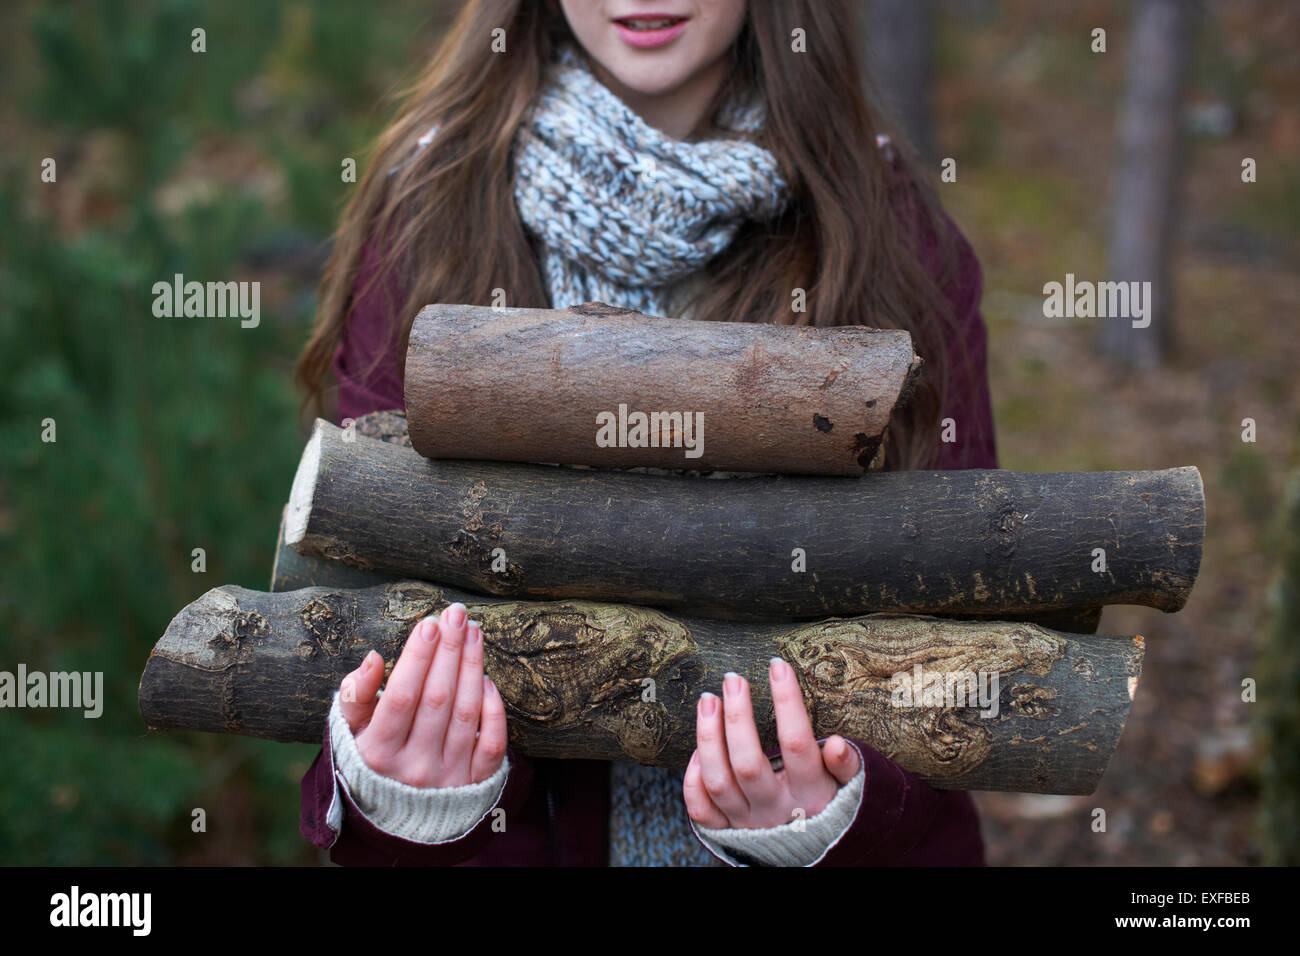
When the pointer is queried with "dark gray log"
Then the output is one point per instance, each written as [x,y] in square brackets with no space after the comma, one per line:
[293,571]
[596,681]
[532,385]
[996,543]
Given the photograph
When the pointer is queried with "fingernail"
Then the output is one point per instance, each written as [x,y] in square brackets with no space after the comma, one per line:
[430,632]
[455,615]
[475,633]
[730,684]
[708,704]
[778,668]
[372,658]
[488,685]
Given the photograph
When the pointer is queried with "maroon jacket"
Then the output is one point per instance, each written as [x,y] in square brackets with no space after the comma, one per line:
[557,811]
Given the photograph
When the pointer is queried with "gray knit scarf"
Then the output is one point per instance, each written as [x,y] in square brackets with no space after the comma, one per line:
[621,211]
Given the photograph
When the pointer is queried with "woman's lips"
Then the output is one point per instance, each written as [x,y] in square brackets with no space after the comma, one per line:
[646,31]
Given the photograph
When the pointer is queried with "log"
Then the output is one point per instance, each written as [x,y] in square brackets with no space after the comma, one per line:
[995,543]
[537,385]
[599,681]
[390,426]
[293,571]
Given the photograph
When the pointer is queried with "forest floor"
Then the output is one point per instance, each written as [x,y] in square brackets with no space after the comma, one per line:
[1182,788]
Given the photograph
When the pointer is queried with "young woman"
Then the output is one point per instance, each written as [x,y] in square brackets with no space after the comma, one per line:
[706,158]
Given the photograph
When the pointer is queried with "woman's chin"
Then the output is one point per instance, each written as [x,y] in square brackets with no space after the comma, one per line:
[649,76]
[650,87]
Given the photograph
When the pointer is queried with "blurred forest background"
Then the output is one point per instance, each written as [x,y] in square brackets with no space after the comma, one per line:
[176,435]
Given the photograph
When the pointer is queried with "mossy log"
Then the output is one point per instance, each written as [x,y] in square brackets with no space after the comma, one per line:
[568,385]
[993,543]
[601,681]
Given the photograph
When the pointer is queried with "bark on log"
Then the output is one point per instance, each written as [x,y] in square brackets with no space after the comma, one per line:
[598,681]
[530,385]
[293,571]
[996,543]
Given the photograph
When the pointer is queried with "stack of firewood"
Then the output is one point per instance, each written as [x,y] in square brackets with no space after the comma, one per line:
[946,618]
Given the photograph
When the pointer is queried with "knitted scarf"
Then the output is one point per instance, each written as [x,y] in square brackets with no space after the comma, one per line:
[621,211]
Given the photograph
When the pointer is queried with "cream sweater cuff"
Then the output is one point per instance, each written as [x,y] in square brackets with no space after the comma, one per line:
[798,843]
[418,814]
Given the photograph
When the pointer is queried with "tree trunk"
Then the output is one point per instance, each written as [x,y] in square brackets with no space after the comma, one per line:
[604,682]
[898,39]
[1148,168]
[293,571]
[567,386]
[953,542]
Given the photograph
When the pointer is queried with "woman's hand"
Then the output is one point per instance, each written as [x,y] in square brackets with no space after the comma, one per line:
[440,721]
[730,783]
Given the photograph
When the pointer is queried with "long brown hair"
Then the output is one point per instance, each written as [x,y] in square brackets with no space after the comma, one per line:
[851,237]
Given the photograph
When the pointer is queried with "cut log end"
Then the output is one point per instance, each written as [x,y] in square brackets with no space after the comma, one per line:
[297,513]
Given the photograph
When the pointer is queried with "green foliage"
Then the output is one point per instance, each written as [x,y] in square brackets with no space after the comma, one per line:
[172,433]
[1272,203]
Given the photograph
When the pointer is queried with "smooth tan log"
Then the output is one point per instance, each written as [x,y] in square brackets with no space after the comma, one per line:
[600,681]
[995,543]
[535,385]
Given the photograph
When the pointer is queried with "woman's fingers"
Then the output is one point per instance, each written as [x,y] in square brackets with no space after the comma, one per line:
[458,744]
[842,759]
[750,766]
[699,806]
[715,763]
[799,750]
[490,748]
[438,695]
[357,691]
[395,711]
